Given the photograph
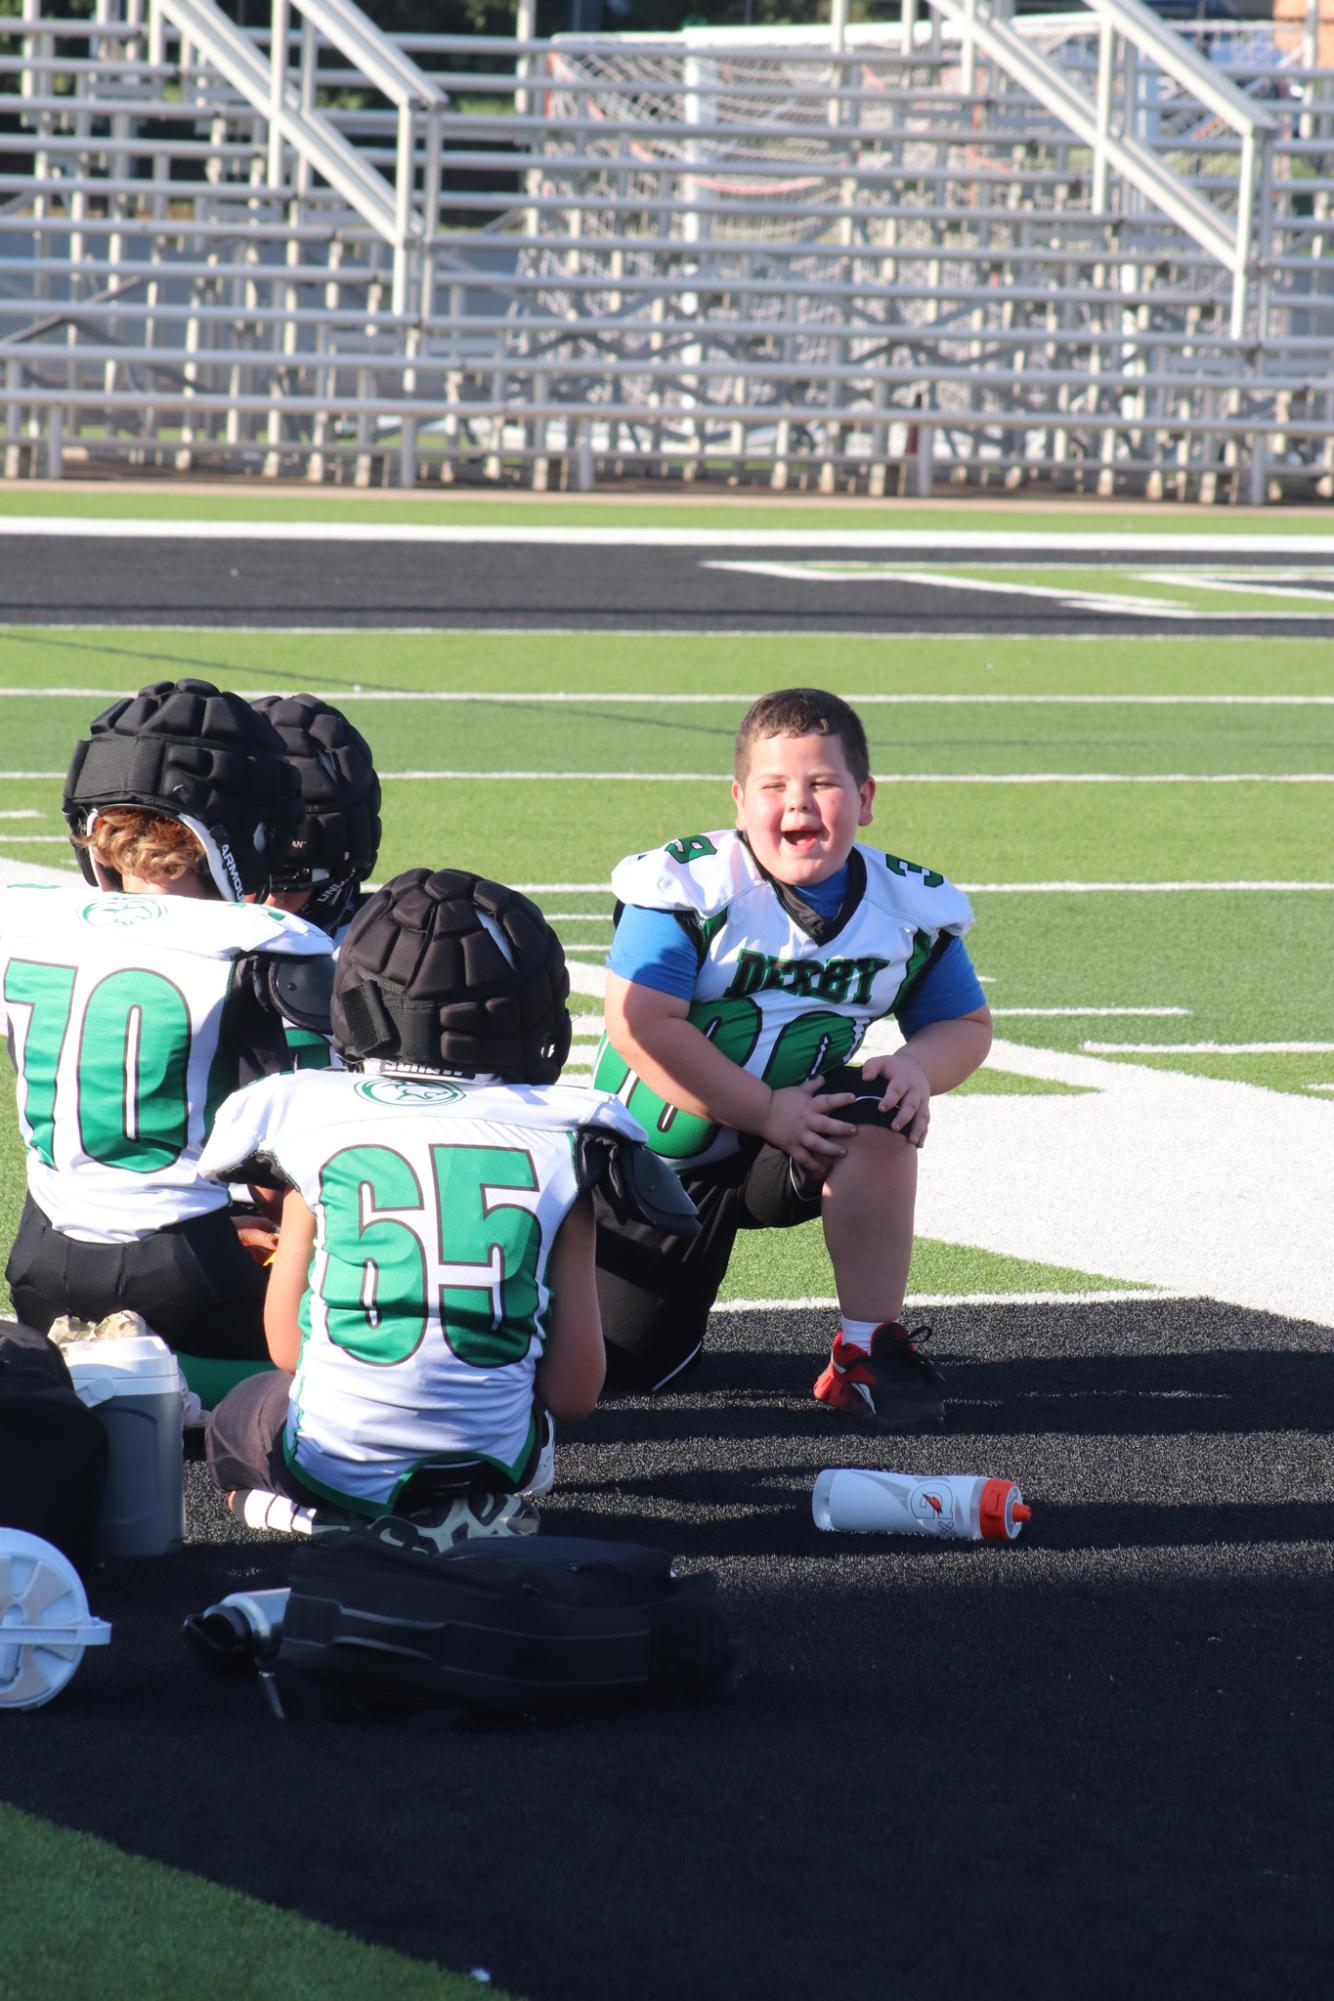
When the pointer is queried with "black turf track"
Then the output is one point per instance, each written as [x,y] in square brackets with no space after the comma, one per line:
[1092,1763]
[477,585]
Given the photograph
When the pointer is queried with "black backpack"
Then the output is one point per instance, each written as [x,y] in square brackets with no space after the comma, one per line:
[379,1619]
[53,1452]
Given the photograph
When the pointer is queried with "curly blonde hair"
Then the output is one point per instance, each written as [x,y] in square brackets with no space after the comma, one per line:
[126,840]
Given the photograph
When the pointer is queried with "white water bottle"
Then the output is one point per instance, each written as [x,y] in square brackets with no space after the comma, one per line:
[967,1505]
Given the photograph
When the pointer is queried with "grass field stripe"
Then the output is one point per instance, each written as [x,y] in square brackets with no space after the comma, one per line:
[1208,1048]
[913,1301]
[619,535]
[635,698]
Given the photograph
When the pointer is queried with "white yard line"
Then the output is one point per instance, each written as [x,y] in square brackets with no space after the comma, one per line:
[627,697]
[619,535]
[897,779]
[1208,1048]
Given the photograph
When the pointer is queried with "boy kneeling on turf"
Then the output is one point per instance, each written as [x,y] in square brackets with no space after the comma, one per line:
[433,1289]
[745,970]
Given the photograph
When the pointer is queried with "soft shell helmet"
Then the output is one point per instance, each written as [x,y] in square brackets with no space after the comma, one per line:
[451,974]
[335,847]
[197,755]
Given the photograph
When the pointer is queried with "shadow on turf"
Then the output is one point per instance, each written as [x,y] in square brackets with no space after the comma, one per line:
[1221,1390]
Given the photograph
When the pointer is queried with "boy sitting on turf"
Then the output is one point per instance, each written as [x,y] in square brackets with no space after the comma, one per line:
[745,969]
[433,1288]
[134,1004]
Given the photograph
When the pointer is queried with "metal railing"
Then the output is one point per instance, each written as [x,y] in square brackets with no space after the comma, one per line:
[958,248]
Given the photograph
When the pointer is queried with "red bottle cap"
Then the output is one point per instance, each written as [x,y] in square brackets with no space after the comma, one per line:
[1001,1511]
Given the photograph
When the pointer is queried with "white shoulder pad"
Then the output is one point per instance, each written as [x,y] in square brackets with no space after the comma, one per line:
[699,872]
[922,896]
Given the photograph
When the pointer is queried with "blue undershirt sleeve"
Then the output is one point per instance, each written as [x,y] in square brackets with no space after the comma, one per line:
[653,950]
[944,992]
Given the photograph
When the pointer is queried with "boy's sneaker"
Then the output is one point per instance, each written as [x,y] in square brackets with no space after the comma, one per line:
[475,1517]
[894,1388]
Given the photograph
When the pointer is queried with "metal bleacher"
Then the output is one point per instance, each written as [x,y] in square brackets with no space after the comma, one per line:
[1083,251]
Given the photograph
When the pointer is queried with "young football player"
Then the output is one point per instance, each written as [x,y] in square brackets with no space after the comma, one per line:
[320,872]
[746,967]
[133,1008]
[433,1288]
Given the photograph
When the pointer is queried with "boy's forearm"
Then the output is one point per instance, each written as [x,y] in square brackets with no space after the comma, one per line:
[683,1067]
[949,1051]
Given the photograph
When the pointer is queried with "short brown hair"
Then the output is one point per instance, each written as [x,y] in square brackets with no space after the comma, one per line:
[129,841]
[803,712]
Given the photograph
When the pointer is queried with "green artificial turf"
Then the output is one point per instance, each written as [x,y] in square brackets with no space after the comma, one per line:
[793,1264]
[83,1918]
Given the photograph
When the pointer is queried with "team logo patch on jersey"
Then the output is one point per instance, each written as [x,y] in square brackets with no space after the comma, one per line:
[119,912]
[395,1091]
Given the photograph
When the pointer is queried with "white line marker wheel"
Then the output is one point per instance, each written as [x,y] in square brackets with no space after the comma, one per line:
[44,1622]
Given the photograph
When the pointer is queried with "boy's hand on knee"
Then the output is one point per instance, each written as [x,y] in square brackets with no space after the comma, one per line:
[905,1087]
[799,1121]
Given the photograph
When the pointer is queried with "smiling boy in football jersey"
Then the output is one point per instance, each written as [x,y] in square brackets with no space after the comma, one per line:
[746,967]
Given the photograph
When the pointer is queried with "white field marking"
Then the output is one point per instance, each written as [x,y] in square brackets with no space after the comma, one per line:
[1208,1048]
[1234,580]
[587,977]
[989,888]
[34,840]
[945,578]
[1080,1012]
[22,813]
[742,700]
[15,871]
[1145,1179]
[977,541]
[914,1301]
[897,779]
[1318,1087]
[1130,888]
[110,623]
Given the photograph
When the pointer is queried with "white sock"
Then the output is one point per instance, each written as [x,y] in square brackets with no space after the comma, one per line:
[859,1332]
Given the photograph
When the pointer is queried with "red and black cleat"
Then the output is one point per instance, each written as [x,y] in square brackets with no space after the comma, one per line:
[894,1388]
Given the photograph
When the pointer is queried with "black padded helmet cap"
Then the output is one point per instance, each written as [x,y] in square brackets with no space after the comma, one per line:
[452,972]
[339,834]
[195,754]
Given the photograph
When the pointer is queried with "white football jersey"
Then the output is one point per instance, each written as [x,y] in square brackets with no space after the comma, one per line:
[782,991]
[114,1006]
[436,1207]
